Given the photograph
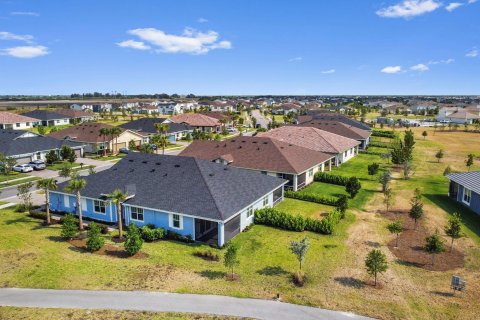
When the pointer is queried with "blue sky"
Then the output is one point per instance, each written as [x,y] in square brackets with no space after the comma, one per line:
[240,47]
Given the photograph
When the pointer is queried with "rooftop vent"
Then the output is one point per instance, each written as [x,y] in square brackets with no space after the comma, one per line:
[145,161]
[177,166]
[165,174]
[211,174]
[158,163]
[265,142]
[153,170]
[130,160]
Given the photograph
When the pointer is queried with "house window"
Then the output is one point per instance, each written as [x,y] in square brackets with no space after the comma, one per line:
[310,172]
[17,125]
[467,195]
[136,213]
[265,201]
[176,221]
[345,154]
[28,124]
[250,211]
[99,206]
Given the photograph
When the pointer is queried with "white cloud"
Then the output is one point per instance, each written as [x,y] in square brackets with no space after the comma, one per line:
[133,44]
[453,5]
[446,61]
[392,69]
[25,13]
[202,20]
[409,8]
[328,71]
[4,35]
[25,52]
[295,59]
[419,67]
[472,53]
[471,1]
[190,41]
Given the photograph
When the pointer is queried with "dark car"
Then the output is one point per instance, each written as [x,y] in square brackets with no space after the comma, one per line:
[123,150]
[37,164]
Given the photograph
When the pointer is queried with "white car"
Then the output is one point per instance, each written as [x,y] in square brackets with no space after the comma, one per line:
[23,168]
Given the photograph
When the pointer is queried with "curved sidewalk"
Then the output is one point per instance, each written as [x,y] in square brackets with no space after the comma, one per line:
[165,302]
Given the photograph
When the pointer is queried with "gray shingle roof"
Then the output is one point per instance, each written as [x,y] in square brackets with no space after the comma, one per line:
[182,184]
[470,180]
[147,125]
[45,115]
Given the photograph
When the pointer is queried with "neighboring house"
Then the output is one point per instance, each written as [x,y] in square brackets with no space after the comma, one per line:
[146,126]
[343,149]
[342,129]
[220,106]
[271,157]
[197,121]
[15,121]
[92,107]
[76,116]
[206,201]
[148,109]
[286,108]
[457,115]
[25,146]
[322,115]
[48,118]
[465,188]
[89,134]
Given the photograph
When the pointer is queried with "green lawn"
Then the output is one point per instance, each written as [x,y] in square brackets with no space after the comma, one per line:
[304,208]
[12,176]
[75,166]
[15,183]
[111,157]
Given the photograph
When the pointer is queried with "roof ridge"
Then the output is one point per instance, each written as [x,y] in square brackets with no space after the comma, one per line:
[318,132]
[196,161]
[275,142]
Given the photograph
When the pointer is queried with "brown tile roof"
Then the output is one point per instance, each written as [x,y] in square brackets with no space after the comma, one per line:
[74,113]
[312,138]
[257,153]
[85,132]
[339,128]
[217,115]
[8,117]
[195,120]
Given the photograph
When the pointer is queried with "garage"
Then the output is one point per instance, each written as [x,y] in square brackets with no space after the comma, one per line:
[118,146]
[78,153]
[23,160]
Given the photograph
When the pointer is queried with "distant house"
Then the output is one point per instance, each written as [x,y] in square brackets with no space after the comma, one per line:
[219,106]
[457,115]
[296,164]
[148,109]
[286,108]
[146,126]
[197,121]
[322,115]
[465,189]
[89,134]
[205,201]
[48,118]
[15,121]
[76,116]
[342,129]
[342,148]
[25,146]
[96,107]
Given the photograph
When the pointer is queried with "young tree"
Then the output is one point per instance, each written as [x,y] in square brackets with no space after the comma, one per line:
[453,229]
[388,199]
[132,145]
[230,258]
[7,164]
[342,205]
[424,134]
[395,228]
[376,262]
[91,170]
[41,130]
[299,249]
[24,194]
[69,227]
[104,132]
[46,185]
[65,152]
[65,170]
[162,129]
[407,169]
[469,161]
[95,241]
[416,211]
[384,180]
[51,157]
[434,245]
[76,185]
[353,186]
[447,170]
[439,155]
[117,197]
[134,241]
[373,168]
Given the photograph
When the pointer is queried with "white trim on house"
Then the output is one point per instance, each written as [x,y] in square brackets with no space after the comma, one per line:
[467,192]
[171,221]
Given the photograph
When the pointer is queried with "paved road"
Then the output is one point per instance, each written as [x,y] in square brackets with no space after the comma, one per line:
[261,119]
[165,302]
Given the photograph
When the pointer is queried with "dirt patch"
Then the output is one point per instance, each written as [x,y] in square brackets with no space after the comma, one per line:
[116,239]
[410,246]
[107,250]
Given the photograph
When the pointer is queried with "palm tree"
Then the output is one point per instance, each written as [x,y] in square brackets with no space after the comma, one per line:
[117,197]
[46,185]
[115,132]
[104,132]
[76,185]
[223,122]
[162,128]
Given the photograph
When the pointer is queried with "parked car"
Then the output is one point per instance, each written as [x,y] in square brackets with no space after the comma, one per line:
[37,164]
[23,168]
[153,146]
[123,150]
[231,130]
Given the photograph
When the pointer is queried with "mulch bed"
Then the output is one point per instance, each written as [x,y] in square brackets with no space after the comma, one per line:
[107,250]
[232,277]
[410,246]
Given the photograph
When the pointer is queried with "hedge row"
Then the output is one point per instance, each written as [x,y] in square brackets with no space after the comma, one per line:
[378,144]
[383,133]
[279,219]
[330,178]
[311,198]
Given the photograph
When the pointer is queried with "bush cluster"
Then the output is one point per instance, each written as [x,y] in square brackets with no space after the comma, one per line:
[330,178]
[373,168]
[383,133]
[282,220]
[330,201]
[172,235]
[378,144]
[207,255]
[150,233]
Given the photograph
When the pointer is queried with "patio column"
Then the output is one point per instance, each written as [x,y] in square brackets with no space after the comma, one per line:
[221,234]
[330,165]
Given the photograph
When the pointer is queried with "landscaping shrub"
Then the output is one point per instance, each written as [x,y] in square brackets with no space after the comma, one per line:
[69,227]
[94,242]
[373,168]
[207,255]
[342,205]
[104,229]
[37,215]
[134,242]
[378,144]
[150,234]
[330,178]
[383,133]
[172,235]
[311,197]
[353,186]
[299,278]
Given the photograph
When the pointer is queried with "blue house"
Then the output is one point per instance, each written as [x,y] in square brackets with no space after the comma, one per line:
[208,201]
[465,188]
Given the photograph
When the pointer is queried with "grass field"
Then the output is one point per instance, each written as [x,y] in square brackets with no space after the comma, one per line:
[16,183]
[12,176]
[304,208]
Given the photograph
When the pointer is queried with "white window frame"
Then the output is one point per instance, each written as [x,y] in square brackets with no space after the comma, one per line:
[467,192]
[137,209]
[104,206]
[66,201]
[180,220]
[250,212]
[266,201]
[310,173]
